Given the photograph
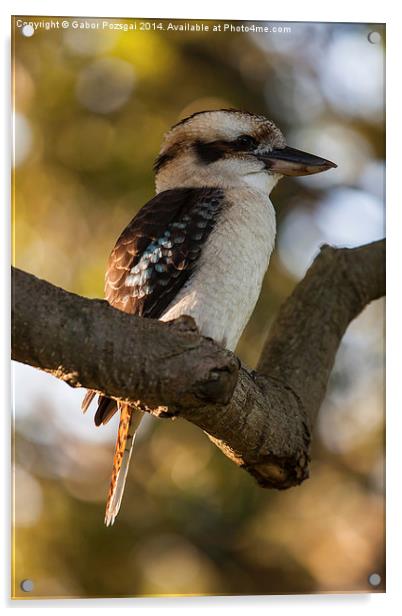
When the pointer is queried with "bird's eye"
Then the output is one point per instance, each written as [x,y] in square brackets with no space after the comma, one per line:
[246,142]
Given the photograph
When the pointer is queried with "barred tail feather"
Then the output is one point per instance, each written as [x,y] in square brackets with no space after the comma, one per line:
[130,419]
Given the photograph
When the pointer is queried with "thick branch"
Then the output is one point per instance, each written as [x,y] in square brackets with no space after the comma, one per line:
[262,420]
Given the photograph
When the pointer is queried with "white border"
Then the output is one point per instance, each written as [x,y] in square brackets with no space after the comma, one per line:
[308,10]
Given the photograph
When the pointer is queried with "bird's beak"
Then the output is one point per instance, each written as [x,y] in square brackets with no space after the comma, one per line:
[288,161]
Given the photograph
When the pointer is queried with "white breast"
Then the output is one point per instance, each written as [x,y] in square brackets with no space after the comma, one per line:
[222,292]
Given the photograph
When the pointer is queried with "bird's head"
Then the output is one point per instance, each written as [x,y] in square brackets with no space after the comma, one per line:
[230,148]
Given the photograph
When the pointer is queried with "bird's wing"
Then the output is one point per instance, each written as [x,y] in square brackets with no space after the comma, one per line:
[156,253]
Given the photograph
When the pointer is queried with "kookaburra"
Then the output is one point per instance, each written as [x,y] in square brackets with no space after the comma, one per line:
[202,244]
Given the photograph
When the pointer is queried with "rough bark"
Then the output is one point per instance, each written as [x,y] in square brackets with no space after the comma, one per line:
[263,419]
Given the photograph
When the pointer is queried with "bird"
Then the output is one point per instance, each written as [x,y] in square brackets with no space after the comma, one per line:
[201,246]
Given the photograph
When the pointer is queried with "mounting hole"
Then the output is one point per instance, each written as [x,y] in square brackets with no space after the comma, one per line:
[28,30]
[374,38]
[27,585]
[374,579]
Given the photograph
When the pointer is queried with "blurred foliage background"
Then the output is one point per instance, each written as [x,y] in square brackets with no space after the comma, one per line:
[90,111]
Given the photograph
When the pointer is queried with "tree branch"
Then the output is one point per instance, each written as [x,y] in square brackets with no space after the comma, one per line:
[261,420]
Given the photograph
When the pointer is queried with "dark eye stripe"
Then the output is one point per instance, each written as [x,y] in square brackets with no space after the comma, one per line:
[210,152]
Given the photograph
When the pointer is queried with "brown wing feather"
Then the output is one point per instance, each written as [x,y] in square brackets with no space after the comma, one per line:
[157,252]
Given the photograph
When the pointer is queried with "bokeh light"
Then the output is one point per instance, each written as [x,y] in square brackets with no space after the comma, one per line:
[105,85]
[22,138]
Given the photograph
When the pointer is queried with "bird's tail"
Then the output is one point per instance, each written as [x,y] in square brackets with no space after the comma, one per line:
[130,419]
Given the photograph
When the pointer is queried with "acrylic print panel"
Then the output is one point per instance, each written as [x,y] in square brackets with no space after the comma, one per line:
[92,101]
